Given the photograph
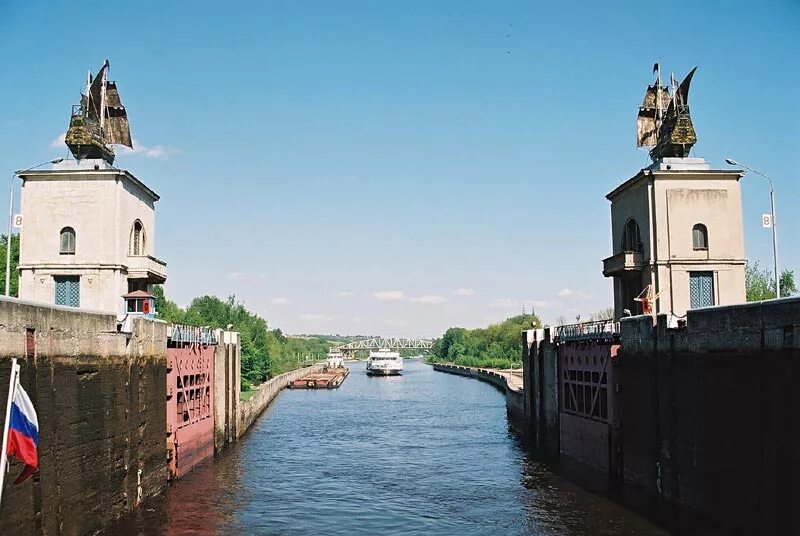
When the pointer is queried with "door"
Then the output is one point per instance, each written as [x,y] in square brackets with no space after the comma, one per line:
[701,289]
[68,290]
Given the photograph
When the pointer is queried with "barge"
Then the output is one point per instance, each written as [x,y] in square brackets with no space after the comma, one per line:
[332,375]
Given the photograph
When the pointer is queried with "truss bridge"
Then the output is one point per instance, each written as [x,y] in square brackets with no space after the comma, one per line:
[392,343]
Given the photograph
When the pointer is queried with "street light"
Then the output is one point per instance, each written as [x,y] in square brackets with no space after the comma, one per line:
[732,162]
[11,216]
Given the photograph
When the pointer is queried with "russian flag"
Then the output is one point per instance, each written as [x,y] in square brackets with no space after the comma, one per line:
[23,433]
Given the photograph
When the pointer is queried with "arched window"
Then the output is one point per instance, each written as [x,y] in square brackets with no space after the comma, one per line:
[631,240]
[700,236]
[137,238]
[67,241]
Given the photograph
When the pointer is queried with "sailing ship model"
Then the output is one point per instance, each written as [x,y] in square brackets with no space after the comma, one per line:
[664,123]
[99,121]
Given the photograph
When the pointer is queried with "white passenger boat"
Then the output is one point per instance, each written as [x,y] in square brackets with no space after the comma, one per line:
[384,362]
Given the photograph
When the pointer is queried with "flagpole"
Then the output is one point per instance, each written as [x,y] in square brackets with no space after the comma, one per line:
[12,386]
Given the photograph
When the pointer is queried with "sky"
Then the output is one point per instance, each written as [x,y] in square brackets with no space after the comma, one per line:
[397,168]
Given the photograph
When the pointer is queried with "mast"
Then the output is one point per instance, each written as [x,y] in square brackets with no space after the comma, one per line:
[103,97]
[659,114]
[88,90]
[674,90]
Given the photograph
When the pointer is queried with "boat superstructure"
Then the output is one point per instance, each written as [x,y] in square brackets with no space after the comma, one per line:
[384,362]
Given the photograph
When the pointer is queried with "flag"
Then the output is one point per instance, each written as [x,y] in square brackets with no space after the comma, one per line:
[23,433]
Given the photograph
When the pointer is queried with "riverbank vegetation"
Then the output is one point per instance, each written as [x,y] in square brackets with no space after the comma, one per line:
[760,283]
[496,346]
[14,283]
[265,352]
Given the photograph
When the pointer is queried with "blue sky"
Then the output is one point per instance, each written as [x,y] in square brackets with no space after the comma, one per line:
[400,167]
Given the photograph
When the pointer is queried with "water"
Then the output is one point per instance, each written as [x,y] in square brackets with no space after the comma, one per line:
[422,453]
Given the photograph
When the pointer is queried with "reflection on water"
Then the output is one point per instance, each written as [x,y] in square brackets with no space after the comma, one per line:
[423,453]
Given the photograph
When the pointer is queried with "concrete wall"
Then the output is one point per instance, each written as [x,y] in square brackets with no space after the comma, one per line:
[99,395]
[249,410]
[709,415]
[540,371]
[227,387]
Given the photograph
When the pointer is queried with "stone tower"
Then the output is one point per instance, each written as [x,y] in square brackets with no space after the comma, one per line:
[88,236]
[677,224]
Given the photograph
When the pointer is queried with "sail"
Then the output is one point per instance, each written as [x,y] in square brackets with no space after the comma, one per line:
[117,128]
[650,115]
[682,95]
[95,96]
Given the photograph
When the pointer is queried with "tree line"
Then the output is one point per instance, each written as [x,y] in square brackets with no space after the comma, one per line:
[496,346]
[265,352]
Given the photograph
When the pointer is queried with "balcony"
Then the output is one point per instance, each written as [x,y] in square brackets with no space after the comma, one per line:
[147,267]
[625,262]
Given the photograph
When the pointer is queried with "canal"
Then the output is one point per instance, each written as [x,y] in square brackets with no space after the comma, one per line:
[423,453]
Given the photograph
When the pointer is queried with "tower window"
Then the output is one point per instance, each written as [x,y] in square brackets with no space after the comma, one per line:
[67,241]
[631,239]
[700,236]
[137,238]
[68,290]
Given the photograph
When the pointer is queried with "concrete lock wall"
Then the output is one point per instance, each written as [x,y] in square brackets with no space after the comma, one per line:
[709,415]
[227,387]
[99,395]
[540,371]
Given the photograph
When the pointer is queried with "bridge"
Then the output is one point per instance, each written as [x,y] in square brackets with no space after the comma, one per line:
[393,343]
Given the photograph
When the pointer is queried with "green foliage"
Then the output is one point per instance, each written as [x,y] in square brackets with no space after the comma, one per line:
[603,314]
[167,310]
[265,353]
[760,284]
[14,263]
[497,346]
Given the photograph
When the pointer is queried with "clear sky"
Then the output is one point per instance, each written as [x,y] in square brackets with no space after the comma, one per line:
[397,168]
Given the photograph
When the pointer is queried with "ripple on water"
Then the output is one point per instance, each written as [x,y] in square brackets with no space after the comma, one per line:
[424,453]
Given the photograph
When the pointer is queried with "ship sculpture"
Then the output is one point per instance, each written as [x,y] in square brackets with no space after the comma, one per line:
[664,123]
[99,121]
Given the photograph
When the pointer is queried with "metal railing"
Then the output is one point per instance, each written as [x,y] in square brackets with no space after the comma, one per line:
[190,334]
[597,330]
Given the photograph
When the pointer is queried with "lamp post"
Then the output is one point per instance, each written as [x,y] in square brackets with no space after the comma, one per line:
[774,230]
[11,216]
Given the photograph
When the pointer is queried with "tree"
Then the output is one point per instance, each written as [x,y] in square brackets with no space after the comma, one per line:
[760,285]
[14,264]
[265,353]
[167,310]
[606,313]
[496,346]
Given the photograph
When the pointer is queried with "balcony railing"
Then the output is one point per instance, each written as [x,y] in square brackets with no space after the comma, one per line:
[623,262]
